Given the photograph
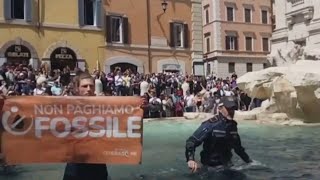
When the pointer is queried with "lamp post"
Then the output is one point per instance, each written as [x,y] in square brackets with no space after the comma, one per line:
[164,5]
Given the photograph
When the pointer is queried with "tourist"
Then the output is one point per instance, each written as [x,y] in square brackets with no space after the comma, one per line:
[219,136]
[155,105]
[189,102]
[144,86]
[81,171]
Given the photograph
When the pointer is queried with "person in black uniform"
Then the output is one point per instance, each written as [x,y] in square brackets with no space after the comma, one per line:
[219,136]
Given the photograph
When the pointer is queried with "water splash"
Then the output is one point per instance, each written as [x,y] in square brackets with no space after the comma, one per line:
[254,165]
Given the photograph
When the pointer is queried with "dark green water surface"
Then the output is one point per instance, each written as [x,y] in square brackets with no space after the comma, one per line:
[280,152]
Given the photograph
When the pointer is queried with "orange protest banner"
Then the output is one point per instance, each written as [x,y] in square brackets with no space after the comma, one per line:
[100,129]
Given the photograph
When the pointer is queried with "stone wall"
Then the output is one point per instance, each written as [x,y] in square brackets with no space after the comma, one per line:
[196,30]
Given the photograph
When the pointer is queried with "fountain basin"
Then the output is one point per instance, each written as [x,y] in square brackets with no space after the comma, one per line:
[285,153]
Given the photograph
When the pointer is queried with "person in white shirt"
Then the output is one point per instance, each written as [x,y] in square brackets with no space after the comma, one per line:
[118,82]
[98,86]
[154,80]
[227,91]
[185,87]
[38,91]
[189,102]
[144,87]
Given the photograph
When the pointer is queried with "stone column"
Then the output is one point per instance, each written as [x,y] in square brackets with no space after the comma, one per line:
[280,10]
[316,5]
[217,38]
[196,31]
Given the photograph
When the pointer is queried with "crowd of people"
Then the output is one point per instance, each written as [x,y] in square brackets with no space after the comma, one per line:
[166,94]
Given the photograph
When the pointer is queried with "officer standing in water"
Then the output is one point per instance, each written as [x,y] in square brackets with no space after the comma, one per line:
[219,136]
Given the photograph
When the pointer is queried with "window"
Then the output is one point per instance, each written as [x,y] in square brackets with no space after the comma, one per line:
[208,68]
[247,15]
[178,35]
[230,14]
[207,38]
[264,16]
[273,21]
[248,43]
[231,67]
[208,44]
[207,15]
[301,42]
[117,29]
[90,13]
[231,43]
[18,9]
[265,65]
[249,67]
[265,44]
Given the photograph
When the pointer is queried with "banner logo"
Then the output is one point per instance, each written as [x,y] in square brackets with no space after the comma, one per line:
[16,124]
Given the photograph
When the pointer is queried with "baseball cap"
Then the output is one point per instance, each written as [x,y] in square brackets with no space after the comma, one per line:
[228,102]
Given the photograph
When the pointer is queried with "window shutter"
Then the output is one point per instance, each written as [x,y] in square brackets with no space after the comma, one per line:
[227,43]
[7,9]
[236,43]
[28,10]
[172,44]
[186,35]
[108,29]
[125,30]
[81,12]
[98,13]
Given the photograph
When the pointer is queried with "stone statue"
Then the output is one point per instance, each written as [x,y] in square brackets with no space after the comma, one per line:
[286,56]
[291,90]
[312,54]
[295,53]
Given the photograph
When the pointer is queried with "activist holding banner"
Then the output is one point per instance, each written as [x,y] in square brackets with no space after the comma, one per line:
[85,132]
[86,87]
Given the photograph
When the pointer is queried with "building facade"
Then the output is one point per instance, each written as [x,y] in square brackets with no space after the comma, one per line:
[297,22]
[144,38]
[236,35]
[133,34]
[54,33]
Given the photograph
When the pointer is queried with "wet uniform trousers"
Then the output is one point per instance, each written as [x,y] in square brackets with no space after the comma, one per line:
[219,136]
[79,171]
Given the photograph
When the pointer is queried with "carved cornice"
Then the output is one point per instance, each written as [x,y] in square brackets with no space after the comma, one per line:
[307,13]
